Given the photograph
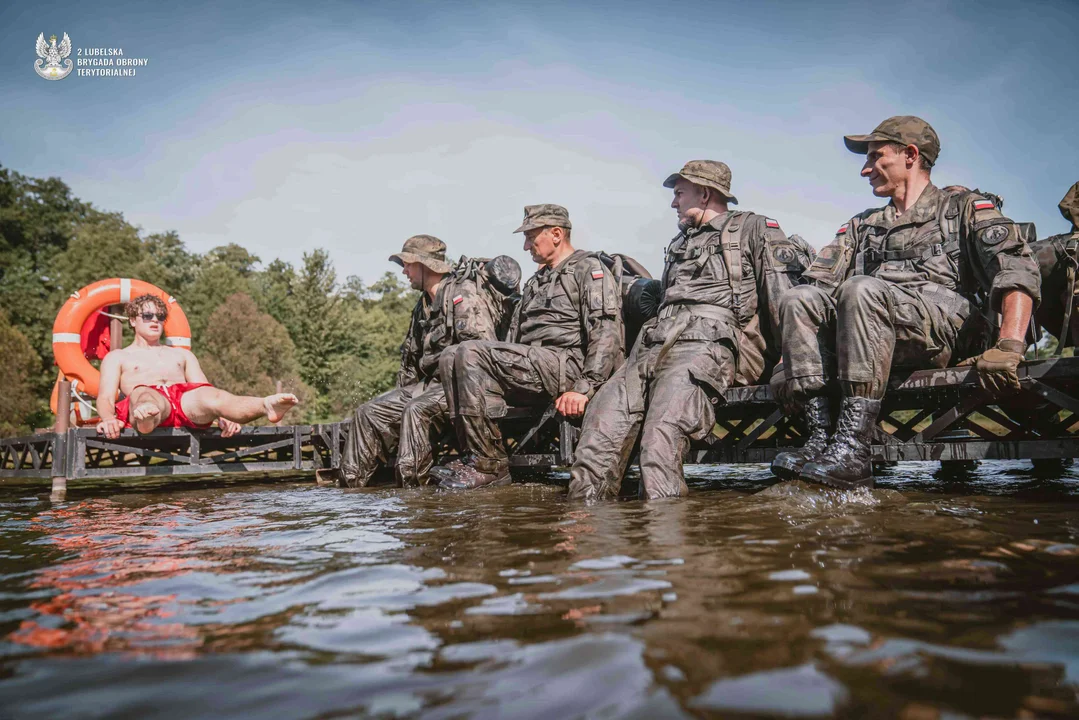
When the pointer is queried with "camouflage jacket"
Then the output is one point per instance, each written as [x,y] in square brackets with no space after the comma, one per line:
[741,308]
[959,241]
[459,312]
[575,306]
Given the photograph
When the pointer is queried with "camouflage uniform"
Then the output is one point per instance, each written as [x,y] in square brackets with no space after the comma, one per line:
[566,335]
[1056,257]
[890,291]
[713,323]
[403,420]
[897,291]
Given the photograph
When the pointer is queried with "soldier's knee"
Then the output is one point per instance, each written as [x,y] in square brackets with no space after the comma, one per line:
[860,289]
[800,297]
[468,351]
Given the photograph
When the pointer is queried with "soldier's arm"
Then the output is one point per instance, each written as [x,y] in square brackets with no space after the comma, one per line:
[600,308]
[835,261]
[778,266]
[1002,260]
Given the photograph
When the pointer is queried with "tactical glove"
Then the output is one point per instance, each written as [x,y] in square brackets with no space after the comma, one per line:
[998,366]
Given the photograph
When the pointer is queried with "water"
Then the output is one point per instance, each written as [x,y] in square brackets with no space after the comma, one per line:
[928,597]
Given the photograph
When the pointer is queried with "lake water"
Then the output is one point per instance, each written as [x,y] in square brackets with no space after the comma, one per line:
[932,596]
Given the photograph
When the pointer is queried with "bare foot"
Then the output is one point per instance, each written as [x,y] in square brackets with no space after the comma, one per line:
[146,417]
[278,405]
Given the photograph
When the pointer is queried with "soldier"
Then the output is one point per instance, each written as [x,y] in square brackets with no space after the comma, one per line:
[899,285]
[724,275]
[563,343]
[1058,257]
[403,419]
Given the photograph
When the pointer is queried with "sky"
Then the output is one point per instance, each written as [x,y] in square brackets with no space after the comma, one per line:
[350,126]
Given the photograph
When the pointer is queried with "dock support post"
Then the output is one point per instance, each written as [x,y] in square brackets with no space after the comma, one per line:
[60,450]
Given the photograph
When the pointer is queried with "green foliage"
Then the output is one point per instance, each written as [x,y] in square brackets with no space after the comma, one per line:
[333,346]
[20,363]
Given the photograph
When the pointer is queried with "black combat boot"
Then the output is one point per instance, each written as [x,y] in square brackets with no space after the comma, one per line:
[818,413]
[847,463]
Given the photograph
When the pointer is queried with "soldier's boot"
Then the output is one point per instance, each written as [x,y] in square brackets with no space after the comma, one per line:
[472,473]
[818,414]
[847,461]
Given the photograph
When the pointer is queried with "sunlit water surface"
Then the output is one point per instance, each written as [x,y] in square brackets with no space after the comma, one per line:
[930,596]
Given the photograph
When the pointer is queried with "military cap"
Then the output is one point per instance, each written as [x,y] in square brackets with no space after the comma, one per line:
[709,173]
[425,249]
[1069,206]
[546,215]
[902,129]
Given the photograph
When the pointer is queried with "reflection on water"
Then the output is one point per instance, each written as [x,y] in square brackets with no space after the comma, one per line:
[936,595]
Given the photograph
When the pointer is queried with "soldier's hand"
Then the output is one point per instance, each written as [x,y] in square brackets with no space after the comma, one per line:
[998,366]
[571,404]
[110,428]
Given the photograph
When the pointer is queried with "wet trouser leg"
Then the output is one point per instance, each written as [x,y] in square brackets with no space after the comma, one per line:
[373,434]
[808,319]
[424,416]
[486,373]
[608,433]
[881,323]
[680,410]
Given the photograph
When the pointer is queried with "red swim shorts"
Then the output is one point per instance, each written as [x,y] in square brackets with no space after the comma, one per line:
[172,393]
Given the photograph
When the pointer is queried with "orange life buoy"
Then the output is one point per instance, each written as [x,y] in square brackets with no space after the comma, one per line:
[66,331]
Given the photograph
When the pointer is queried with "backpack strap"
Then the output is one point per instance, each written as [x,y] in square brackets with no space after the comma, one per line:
[731,240]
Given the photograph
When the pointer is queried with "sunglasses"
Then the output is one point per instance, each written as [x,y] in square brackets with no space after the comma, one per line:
[150,317]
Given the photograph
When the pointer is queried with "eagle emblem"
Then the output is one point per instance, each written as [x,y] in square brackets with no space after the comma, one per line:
[52,64]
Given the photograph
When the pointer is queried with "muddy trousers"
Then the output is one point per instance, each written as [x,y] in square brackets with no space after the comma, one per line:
[485,375]
[869,326]
[400,421]
[665,400]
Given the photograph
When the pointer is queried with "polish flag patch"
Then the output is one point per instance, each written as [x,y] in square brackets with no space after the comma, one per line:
[597,274]
[842,229]
[769,222]
[984,205]
[458,300]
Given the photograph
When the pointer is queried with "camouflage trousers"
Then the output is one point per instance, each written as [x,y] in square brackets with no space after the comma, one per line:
[482,376]
[870,326]
[664,398]
[400,421]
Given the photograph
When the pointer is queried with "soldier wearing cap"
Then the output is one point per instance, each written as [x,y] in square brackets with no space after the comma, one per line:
[1058,257]
[563,343]
[723,277]
[402,420]
[917,284]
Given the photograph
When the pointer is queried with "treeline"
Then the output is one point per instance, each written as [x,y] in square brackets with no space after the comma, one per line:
[253,323]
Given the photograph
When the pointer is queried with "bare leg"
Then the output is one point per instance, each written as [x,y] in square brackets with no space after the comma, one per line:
[148,409]
[205,404]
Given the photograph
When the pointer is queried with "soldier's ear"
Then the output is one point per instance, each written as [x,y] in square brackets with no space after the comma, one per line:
[912,152]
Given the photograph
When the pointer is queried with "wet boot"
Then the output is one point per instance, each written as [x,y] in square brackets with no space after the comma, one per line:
[818,413]
[471,474]
[847,461]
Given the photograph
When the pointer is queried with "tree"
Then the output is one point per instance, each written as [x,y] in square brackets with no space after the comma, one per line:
[247,352]
[17,374]
[320,330]
[234,256]
[273,291]
[213,284]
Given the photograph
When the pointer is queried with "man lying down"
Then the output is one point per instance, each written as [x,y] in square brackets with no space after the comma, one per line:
[165,387]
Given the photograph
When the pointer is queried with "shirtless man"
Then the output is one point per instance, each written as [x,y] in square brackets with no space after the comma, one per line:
[165,386]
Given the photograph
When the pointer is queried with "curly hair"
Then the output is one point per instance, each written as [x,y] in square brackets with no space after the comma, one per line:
[133,308]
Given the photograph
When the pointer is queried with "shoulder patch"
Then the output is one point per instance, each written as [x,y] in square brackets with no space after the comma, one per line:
[769,222]
[458,299]
[597,274]
[843,229]
[984,205]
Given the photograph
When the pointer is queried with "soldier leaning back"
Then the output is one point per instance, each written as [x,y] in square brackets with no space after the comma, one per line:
[403,419]
[563,343]
[905,285]
[722,269]
[1057,257]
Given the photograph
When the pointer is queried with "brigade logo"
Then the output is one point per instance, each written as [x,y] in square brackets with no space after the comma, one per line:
[53,64]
